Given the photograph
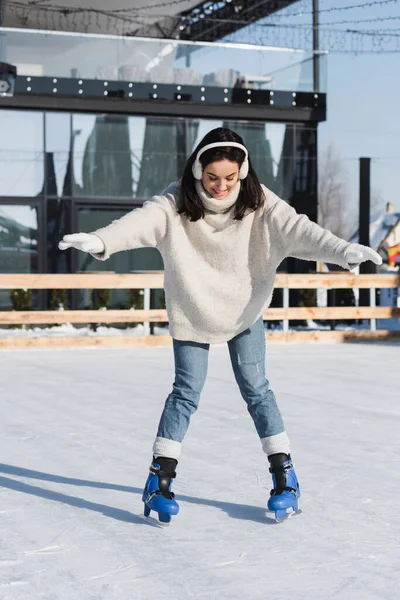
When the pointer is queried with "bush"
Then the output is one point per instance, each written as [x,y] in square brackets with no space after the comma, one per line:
[136,299]
[308,297]
[21,300]
[100,299]
[58,299]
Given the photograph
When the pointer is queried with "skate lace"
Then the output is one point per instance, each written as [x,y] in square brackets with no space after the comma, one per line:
[285,489]
[167,495]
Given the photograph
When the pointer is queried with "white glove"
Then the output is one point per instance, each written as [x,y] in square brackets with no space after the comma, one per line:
[357,254]
[87,242]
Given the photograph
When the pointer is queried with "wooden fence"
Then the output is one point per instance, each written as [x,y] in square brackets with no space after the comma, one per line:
[154,280]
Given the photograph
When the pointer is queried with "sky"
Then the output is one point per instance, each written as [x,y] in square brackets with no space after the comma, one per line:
[362,95]
[362,89]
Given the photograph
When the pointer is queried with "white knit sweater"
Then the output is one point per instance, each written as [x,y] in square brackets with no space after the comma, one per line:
[219,273]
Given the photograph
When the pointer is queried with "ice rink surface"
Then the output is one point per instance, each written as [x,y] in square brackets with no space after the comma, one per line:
[77,428]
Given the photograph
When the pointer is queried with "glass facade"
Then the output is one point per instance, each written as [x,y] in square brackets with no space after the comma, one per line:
[19,239]
[21,153]
[20,242]
[157,60]
[64,172]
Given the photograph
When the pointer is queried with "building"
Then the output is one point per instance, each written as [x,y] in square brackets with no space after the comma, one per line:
[384,233]
[98,123]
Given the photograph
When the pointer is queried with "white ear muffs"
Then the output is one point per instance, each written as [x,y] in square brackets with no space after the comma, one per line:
[197,169]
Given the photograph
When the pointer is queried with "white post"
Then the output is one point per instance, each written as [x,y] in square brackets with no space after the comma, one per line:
[372,302]
[146,306]
[356,296]
[285,305]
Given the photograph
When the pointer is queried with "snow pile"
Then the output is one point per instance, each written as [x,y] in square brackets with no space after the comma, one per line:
[69,330]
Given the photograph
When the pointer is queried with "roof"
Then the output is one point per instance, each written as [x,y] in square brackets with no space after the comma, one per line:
[381,224]
[154,18]
[86,16]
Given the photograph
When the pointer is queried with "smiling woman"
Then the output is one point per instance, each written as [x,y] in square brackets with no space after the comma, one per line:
[220,177]
[219,168]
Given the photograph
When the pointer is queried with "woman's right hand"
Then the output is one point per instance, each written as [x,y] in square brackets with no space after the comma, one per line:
[87,242]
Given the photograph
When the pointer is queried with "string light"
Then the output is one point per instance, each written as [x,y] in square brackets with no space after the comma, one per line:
[281,34]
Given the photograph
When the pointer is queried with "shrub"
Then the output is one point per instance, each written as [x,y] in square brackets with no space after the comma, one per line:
[21,300]
[58,299]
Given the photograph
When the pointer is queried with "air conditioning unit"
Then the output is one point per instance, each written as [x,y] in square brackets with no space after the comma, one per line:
[8,74]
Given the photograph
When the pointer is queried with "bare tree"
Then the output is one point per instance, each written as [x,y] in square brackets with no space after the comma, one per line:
[377,201]
[334,210]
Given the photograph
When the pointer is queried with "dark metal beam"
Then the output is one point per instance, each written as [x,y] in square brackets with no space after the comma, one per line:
[237,10]
[316,57]
[250,112]
[365,200]
[364,222]
[2,11]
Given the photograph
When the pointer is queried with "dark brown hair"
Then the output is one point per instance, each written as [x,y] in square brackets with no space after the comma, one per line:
[251,194]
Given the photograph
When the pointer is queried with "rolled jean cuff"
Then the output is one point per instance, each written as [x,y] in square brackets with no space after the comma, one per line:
[276,443]
[167,448]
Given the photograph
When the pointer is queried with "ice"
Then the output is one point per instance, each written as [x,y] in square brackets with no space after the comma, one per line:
[77,427]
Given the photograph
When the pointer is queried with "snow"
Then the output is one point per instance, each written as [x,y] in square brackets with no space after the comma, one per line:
[69,330]
[77,428]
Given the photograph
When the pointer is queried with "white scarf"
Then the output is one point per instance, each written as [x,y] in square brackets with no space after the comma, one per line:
[218,206]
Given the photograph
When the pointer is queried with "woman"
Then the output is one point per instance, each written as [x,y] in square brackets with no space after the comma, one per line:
[222,236]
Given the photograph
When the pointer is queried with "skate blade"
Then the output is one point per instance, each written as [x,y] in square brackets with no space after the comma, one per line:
[286,517]
[154,522]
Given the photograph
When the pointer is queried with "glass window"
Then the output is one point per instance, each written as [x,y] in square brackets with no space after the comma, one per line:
[58,147]
[18,243]
[305,181]
[270,148]
[116,156]
[203,127]
[165,145]
[21,153]
[102,156]
[90,218]
[57,225]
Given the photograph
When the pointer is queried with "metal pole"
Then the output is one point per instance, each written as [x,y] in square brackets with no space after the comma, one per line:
[364,220]
[2,11]
[316,45]
[3,36]
[365,202]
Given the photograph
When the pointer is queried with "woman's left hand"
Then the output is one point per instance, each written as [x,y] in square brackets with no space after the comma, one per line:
[357,254]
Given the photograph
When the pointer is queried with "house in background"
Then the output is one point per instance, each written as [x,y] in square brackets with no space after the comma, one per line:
[384,235]
[385,239]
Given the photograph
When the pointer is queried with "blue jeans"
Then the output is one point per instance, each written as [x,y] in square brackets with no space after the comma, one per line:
[247,353]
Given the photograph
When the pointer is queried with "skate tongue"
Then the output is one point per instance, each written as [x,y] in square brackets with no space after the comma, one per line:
[154,468]
[279,468]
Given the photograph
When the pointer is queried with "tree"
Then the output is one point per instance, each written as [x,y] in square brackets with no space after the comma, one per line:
[377,201]
[334,206]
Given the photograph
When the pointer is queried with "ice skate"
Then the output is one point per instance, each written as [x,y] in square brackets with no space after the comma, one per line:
[284,498]
[157,494]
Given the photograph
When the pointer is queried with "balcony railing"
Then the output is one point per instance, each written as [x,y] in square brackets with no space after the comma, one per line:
[83,57]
